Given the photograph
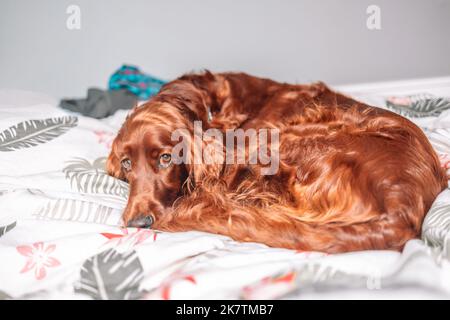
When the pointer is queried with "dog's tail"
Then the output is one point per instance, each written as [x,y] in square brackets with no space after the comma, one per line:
[282,226]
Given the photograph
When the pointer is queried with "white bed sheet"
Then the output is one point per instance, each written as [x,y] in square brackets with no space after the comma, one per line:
[61,235]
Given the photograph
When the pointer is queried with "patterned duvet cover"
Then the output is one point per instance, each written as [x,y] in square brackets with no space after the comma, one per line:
[61,234]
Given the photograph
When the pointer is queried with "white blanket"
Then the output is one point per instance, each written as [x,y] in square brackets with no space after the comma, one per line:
[60,234]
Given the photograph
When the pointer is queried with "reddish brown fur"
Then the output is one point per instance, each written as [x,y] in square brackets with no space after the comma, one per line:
[351,177]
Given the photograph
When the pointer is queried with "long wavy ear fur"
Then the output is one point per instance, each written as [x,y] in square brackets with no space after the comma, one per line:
[205,162]
[113,166]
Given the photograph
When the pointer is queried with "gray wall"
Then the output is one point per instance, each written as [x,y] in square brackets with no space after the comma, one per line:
[291,41]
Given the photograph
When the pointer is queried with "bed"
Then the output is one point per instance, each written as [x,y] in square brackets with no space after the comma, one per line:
[61,234]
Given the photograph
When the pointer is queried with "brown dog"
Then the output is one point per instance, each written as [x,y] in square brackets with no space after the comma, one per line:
[349,176]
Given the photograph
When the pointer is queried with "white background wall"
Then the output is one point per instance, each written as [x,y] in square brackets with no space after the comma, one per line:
[292,41]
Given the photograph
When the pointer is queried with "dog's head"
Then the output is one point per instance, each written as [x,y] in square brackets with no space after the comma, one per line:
[151,150]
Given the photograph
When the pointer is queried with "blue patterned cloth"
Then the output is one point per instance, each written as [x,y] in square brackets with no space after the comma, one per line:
[132,79]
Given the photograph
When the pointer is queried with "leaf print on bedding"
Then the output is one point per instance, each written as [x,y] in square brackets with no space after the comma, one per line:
[36,192]
[314,277]
[436,225]
[417,106]
[440,140]
[111,275]
[4,295]
[5,229]
[92,178]
[79,211]
[31,133]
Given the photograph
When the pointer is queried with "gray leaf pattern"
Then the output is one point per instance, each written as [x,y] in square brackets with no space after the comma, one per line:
[31,133]
[111,275]
[436,227]
[320,278]
[4,295]
[5,229]
[418,106]
[92,178]
[75,210]
[314,277]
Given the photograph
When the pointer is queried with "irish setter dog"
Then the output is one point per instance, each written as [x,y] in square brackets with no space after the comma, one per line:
[350,176]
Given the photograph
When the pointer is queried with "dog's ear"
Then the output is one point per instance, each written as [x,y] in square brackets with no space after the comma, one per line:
[113,166]
[211,165]
[204,157]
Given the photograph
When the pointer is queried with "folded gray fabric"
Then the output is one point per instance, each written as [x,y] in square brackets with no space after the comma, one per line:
[100,103]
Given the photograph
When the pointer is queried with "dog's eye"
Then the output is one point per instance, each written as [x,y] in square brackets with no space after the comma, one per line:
[165,159]
[126,164]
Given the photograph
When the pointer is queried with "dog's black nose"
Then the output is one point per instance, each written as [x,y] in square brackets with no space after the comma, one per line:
[141,222]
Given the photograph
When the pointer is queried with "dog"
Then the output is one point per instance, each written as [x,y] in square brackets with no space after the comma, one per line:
[349,177]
